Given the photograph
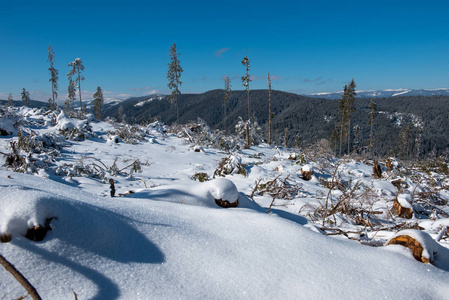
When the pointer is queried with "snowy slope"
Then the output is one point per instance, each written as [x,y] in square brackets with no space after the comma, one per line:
[141,248]
[169,240]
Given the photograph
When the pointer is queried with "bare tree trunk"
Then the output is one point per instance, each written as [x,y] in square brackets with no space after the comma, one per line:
[177,110]
[224,121]
[349,135]
[53,96]
[247,135]
[79,88]
[285,137]
[341,137]
[371,139]
[249,115]
[269,110]
[20,278]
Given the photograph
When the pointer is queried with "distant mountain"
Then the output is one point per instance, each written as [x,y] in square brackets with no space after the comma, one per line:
[33,103]
[386,93]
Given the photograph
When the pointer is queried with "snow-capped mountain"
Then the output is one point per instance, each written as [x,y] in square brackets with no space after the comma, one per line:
[387,93]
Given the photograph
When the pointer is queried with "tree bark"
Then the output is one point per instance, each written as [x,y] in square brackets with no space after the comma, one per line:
[20,278]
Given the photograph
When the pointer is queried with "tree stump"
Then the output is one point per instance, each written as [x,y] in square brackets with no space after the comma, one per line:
[389,165]
[307,172]
[402,206]
[5,238]
[38,233]
[112,187]
[377,171]
[398,184]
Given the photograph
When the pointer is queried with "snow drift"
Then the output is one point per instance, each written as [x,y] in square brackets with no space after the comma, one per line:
[150,247]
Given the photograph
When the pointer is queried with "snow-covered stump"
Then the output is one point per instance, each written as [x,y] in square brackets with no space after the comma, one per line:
[307,172]
[402,206]
[421,244]
[224,191]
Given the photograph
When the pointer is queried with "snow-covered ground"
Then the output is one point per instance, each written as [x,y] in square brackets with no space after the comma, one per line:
[168,239]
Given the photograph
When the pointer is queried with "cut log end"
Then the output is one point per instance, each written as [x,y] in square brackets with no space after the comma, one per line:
[226,203]
[5,238]
[412,244]
[400,211]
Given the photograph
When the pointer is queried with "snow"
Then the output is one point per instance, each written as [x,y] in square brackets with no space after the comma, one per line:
[138,248]
[307,168]
[144,102]
[169,239]
[405,200]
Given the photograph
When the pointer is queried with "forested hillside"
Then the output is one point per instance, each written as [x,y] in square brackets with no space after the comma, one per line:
[412,126]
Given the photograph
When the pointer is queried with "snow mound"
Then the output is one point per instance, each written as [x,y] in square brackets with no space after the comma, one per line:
[125,248]
[23,208]
[196,193]
[221,188]
[66,123]
[77,224]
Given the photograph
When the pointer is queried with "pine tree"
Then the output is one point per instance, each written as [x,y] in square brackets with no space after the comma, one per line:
[71,94]
[77,68]
[269,109]
[174,76]
[25,97]
[98,104]
[343,115]
[67,106]
[350,108]
[53,78]
[227,95]
[10,99]
[246,80]
[346,109]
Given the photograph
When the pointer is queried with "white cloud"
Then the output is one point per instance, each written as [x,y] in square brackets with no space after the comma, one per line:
[219,52]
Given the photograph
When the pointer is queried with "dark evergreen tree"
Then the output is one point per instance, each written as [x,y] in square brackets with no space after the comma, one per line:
[10,99]
[25,97]
[246,80]
[53,78]
[350,108]
[343,115]
[77,68]
[71,95]
[174,78]
[98,104]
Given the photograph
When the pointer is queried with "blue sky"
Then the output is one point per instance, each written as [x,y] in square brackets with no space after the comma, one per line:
[307,46]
